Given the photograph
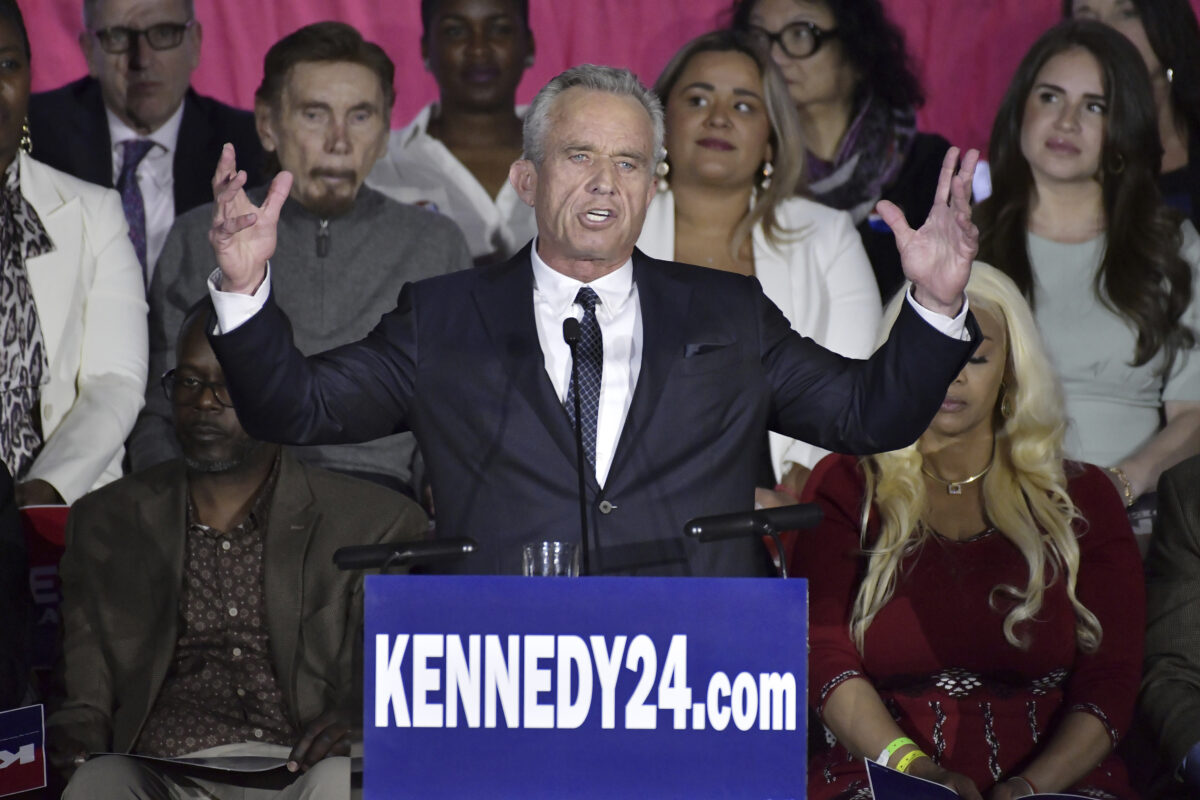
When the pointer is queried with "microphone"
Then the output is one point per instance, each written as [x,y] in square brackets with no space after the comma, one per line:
[571,337]
[749,523]
[760,522]
[382,556]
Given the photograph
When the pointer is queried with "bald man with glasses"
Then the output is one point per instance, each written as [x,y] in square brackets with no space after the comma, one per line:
[135,124]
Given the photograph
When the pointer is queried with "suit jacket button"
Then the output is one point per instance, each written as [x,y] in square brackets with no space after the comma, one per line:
[606,507]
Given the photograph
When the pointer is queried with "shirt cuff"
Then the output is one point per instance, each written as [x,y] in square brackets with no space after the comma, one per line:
[234,308]
[955,328]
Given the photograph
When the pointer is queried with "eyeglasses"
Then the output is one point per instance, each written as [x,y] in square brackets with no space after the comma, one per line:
[798,40]
[164,36]
[186,389]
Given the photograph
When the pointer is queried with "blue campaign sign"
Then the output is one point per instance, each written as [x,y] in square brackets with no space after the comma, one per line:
[22,750]
[492,686]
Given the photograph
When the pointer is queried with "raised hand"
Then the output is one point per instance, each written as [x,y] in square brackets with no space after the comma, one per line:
[243,234]
[937,256]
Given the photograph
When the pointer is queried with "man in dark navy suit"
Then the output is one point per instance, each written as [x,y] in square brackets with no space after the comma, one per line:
[141,55]
[682,369]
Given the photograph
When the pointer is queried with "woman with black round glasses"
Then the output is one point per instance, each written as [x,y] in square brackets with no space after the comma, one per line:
[848,74]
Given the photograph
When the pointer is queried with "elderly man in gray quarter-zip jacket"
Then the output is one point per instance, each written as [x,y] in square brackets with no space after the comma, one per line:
[322,112]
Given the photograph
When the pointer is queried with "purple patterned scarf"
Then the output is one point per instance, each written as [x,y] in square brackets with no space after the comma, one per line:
[869,158]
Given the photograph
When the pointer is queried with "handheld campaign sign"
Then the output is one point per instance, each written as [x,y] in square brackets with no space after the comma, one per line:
[585,688]
[22,750]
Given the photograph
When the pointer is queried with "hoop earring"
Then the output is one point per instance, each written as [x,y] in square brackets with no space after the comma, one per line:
[661,171]
[768,170]
[26,140]
[529,61]
[1118,165]
[1007,408]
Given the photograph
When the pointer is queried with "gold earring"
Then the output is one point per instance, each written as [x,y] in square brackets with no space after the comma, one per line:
[26,140]
[1006,402]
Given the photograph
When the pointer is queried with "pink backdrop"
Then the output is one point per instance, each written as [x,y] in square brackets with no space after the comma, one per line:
[965,50]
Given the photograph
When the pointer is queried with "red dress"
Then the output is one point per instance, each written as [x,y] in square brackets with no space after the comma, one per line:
[937,655]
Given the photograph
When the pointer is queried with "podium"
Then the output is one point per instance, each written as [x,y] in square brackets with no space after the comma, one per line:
[491,686]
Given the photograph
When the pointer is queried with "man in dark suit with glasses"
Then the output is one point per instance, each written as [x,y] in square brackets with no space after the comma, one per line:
[135,123]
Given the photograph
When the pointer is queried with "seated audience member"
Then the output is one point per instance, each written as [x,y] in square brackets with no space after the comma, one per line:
[135,123]
[16,608]
[1077,221]
[322,112]
[454,156]
[74,309]
[202,610]
[976,601]
[730,205]
[1170,700]
[850,79]
[1167,36]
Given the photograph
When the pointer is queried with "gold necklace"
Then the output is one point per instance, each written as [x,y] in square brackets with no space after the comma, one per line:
[956,487]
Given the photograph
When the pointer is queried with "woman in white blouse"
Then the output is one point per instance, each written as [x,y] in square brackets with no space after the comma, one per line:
[727,202]
[454,156]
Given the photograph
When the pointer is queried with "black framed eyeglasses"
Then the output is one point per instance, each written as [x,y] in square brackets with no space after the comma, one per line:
[186,389]
[163,36]
[798,39]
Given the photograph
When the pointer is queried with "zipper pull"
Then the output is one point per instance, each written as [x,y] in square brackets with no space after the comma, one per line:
[323,239]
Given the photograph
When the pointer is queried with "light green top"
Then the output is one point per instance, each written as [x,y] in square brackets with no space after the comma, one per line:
[1113,407]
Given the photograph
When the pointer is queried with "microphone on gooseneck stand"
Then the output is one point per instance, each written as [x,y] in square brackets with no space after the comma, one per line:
[571,337]
[760,522]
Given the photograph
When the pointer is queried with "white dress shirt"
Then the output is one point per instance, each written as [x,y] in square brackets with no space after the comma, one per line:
[155,177]
[620,317]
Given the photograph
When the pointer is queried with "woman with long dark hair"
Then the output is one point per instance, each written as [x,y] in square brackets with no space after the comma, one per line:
[1167,36]
[1076,219]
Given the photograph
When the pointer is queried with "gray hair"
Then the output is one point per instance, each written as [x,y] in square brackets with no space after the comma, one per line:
[596,78]
[89,11]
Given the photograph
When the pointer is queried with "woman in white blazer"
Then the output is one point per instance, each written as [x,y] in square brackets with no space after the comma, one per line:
[726,201]
[85,345]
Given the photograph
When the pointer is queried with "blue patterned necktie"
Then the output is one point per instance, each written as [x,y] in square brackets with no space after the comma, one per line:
[590,355]
[134,151]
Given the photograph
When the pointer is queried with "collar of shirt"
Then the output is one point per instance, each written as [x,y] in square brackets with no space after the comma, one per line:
[558,291]
[159,162]
[254,520]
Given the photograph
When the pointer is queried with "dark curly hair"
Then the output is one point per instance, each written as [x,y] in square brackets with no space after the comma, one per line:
[1174,35]
[1141,278]
[9,10]
[873,45]
[428,7]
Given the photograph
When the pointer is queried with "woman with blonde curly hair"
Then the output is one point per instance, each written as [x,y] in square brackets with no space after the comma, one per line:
[976,601]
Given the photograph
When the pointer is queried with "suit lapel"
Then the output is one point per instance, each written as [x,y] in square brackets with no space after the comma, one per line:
[504,297]
[56,273]
[290,524]
[162,520]
[193,176]
[664,301]
[92,141]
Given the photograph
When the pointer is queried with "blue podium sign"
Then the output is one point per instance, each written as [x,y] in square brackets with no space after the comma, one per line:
[492,686]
